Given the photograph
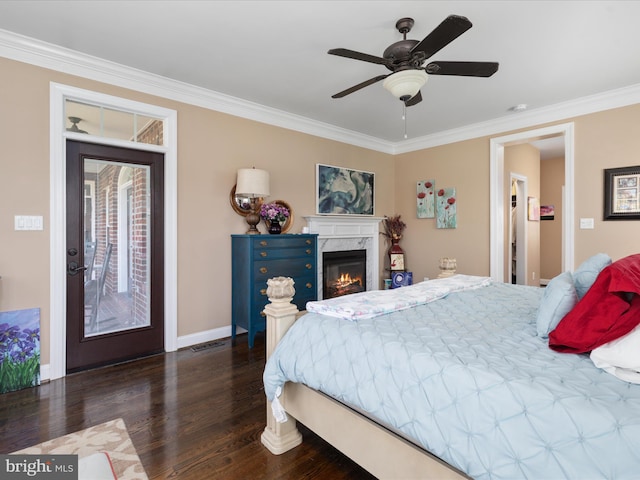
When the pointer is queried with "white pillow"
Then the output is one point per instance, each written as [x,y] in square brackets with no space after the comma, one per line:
[620,357]
[588,271]
[558,299]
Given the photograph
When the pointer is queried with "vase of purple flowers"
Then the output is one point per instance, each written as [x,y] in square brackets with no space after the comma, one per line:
[274,215]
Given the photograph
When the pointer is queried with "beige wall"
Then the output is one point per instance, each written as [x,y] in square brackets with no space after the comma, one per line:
[605,139]
[551,183]
[212,145]
[465,166]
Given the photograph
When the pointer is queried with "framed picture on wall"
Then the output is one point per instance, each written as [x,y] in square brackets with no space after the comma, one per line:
[343,191]
[622,193]
[547,212]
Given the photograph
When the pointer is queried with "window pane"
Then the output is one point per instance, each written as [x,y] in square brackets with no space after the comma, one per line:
[150,130]
[117,285]
[118,125]
[111,123]
[82,118]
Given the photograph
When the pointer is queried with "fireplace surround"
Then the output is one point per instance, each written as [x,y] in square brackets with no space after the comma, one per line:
[341,233]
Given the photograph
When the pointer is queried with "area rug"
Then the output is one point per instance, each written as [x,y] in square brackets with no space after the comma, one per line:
[111,437]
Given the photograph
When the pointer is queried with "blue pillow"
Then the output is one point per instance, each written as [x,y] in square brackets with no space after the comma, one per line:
[558,299]
[588,271]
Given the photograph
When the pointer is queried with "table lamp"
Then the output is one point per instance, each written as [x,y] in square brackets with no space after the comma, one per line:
[254,184]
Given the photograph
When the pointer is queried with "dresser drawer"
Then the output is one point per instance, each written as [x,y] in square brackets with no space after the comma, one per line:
[280,253]
[264,270]
[288,242]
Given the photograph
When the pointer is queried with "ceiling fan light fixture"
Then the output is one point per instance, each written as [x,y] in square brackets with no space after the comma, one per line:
[74,125]
[405,83]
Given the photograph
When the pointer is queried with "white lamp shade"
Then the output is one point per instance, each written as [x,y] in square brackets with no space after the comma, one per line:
[252,182]
[405,83]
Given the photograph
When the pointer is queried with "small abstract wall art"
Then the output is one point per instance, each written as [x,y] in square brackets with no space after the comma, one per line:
[446,209]
[425,199]
[547,212]
[343,191]
[19,349]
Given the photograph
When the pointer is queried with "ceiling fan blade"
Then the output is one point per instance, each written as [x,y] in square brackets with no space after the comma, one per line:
[365,57]
[417,98]
[451,28]
[465,69]
[357,87]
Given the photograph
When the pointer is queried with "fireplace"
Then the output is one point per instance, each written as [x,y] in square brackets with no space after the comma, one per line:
[338,233]
[344,272]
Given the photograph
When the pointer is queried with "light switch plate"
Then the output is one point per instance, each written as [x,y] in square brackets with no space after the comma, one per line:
[586,223]
[28,222]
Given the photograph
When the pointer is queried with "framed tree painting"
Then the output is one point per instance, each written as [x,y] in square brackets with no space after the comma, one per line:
[343,191]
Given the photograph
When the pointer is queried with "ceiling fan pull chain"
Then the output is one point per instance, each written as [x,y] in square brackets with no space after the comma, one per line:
[404,117]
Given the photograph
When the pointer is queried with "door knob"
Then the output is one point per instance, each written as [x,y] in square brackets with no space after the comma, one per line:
[73,268]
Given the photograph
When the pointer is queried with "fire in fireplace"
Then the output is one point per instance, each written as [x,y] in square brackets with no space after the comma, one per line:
[343,273]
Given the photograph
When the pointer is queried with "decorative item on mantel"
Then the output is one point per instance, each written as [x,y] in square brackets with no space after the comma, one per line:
[393,230]
[447,267]
[274,214]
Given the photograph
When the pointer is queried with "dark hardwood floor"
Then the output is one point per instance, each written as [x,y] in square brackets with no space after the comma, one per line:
[190,415]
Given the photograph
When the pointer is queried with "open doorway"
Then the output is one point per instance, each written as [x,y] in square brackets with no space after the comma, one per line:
[518,231]
[498,206]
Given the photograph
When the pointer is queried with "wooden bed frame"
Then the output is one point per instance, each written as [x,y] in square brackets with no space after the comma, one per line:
[375,448]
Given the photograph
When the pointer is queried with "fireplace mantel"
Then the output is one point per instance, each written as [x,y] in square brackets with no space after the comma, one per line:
[339,233]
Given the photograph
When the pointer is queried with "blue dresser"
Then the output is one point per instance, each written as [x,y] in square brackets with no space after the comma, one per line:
[257,258]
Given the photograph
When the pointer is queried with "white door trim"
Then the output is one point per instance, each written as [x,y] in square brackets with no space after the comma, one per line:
[58,136]
[497,196]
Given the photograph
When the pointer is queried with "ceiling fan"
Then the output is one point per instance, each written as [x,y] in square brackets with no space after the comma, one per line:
[406,60]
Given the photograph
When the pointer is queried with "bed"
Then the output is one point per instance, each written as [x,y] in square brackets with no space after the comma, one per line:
[447,381]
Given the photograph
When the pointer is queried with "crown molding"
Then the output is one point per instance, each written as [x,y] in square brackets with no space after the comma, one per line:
[35,52]
[42,54]
[621,97]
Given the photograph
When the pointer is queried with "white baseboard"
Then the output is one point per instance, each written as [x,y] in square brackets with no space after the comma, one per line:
[207,336]
[45,373]
[184,341]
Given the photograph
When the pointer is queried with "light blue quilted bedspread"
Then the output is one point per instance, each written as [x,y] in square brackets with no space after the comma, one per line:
[467,378]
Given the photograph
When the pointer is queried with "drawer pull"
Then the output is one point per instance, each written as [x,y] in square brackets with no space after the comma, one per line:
[308,242]
[309,285]
[263,254]
[263,243]
[309,266]
[308,250]
[263,270]
[263,291]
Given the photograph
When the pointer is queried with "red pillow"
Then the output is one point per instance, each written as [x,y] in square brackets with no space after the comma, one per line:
[605,313]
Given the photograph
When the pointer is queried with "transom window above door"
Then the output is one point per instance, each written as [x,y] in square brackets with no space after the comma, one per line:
[110,123]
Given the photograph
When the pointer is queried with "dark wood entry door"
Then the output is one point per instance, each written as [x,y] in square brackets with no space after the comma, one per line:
[115,251]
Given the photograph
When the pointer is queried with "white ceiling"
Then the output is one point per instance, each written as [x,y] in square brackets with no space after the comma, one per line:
[274,53]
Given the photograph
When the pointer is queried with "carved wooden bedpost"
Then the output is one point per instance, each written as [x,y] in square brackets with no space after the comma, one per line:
[281,314]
